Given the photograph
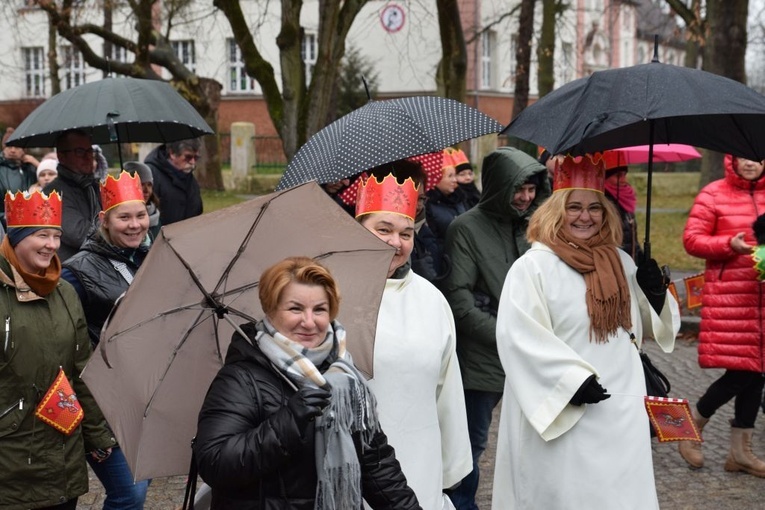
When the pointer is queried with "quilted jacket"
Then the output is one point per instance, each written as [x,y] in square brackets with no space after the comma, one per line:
[731,334]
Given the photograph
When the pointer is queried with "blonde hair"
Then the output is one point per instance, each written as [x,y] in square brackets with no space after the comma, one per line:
[550,218]
[303,270]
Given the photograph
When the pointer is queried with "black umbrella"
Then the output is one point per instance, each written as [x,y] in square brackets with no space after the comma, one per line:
[384,131]
[113,110]
[646,104]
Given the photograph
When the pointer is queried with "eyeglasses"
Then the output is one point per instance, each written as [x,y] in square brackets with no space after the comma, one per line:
[188,158]
[577,209]
[79,152]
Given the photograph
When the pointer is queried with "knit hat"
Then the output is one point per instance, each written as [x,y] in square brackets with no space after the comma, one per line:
[144,172]
[47,164]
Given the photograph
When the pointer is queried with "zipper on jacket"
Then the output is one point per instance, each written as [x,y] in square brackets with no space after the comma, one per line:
[19,404]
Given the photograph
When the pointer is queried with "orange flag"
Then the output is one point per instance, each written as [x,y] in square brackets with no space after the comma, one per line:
[693,287]
[59,407]
[671,419]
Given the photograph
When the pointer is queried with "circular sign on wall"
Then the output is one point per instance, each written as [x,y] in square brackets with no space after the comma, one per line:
[392,18]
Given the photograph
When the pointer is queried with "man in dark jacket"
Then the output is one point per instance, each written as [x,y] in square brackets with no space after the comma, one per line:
[482,244]
[172,165]
[75,182]
[17,171]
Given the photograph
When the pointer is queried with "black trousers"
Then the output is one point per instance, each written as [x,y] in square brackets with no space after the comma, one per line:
[745,386]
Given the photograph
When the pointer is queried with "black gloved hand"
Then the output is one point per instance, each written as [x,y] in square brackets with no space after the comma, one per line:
[307,404]
[590,392]
[653,283]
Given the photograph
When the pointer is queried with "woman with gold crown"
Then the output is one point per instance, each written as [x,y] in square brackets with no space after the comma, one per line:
[48,418]
[572,314]
[416,373]
[100,272]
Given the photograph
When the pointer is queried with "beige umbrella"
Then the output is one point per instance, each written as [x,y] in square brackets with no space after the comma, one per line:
[168,335]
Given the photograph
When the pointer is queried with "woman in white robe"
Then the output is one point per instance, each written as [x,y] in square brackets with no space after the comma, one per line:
[417,381]
[565,441]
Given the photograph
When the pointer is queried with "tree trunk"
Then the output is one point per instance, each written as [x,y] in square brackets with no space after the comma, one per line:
[293,75]
[724,54]
[451,75]
[523,64]
[55,81]
[546,49]
[523,56]
[208,178]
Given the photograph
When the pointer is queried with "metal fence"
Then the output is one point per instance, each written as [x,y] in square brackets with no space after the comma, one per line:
[269,154]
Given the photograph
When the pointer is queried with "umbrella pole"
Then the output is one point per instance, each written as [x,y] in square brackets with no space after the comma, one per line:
[649,185]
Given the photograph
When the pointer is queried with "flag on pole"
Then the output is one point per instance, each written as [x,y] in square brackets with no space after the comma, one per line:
[671,419]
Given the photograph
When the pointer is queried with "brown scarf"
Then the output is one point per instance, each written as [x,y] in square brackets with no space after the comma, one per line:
[607,296]
[41,283]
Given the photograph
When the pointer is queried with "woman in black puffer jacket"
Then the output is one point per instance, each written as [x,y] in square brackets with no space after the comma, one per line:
[276,433]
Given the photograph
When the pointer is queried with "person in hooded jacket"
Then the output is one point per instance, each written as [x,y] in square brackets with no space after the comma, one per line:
[100,273]
[719,230]
[174,183]
[482,244]
[289,422]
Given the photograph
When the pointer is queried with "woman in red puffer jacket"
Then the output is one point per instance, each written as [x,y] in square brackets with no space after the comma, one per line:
[719,230]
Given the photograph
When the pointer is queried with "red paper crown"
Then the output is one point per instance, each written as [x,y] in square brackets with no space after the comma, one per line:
[125,188]
[581,172]
[387,196]
[448,160]
[459,158]
[35,209]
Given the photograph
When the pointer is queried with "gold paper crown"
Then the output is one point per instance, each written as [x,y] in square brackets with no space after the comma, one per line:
[35,209]
[387,196]
[125,188]
[581,172]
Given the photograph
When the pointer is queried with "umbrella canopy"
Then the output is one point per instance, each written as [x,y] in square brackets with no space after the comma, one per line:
[384,131]
[645,104]
[638,154]
[113,110]
[168,336]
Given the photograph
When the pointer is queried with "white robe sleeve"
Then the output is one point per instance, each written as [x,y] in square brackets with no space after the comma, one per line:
[452,418]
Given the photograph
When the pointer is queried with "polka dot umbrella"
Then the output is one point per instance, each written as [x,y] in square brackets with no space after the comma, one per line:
[384,131]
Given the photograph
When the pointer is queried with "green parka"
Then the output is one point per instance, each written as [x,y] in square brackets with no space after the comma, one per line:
[483,243]
[40,466]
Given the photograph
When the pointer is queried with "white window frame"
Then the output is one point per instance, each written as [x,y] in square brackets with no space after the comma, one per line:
[185,50]
[309,50]
[73,66]
[488,51]
[34,71]
[238,81]
[120,54]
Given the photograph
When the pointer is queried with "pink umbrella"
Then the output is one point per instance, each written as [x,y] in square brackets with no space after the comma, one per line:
[638,154]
